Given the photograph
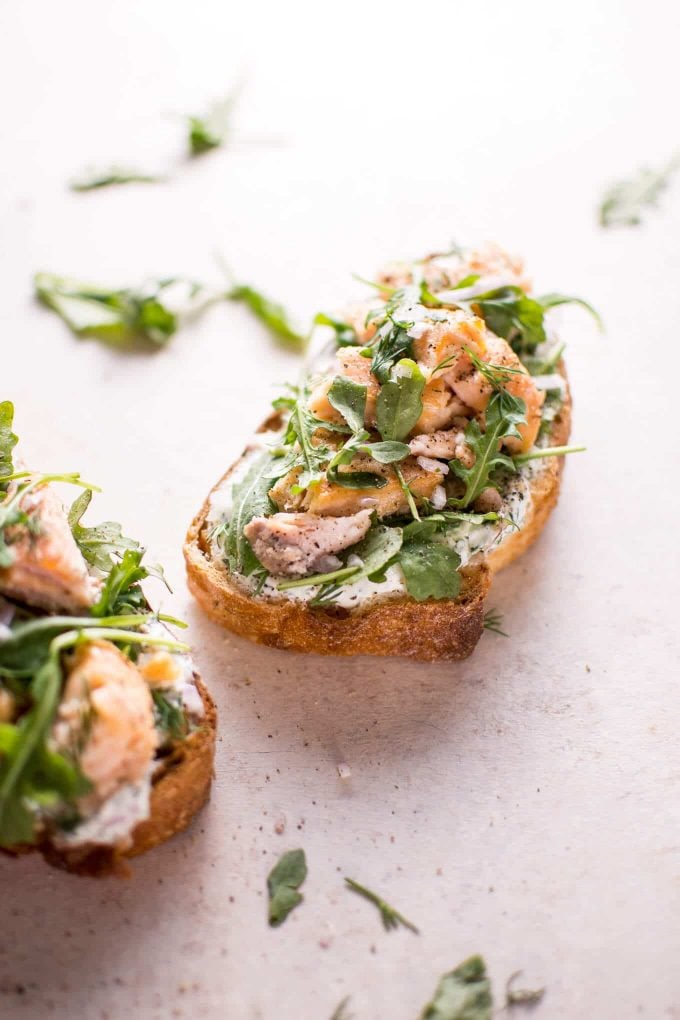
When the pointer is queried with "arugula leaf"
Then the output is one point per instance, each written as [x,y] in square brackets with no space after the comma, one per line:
[210,130]
[349,398]
[271,314]
[21,756]
[121,593]
[504,413]
[513,315]
[98,544]
[430,570]
[386,453]
[250,499]
[127,317]
[463,994]
[114,175]
[283,883]
[399,405]
[390,917]
[8,441]
[547,301]
[625,202]
[345,335]
[352,479]
[169,716]
[392,343]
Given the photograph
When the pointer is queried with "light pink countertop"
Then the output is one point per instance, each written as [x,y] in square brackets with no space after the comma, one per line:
[523,804]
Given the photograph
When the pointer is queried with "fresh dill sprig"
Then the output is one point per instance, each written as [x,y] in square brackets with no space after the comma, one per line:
[390,917]
[493,621]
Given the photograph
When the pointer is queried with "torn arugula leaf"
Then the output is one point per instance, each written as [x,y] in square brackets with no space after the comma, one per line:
[376,551]
[114,175]
[399,405]
[283,883]
[121,593]
[462,994]
[503,414]
[8,441]
[210,130]
[625,202]
[98,544]
[345,335]
[430,570]
[390,917]
[147,315]
[513,315]
[250,499]
[349,398]
[271,314]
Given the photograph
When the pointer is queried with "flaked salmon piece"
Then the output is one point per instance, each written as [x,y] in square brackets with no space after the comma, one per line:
[48,570]
[106,720]
[495,267]
[440,407]
[443,340]
[352,365]
[294,545]
[471,386]
[445,444]
[327,499]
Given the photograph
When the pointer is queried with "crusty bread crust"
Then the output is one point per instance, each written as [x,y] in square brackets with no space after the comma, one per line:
[180,788]
[388,625]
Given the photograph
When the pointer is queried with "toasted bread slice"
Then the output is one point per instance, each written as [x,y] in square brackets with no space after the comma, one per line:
[180,788]
[389,624]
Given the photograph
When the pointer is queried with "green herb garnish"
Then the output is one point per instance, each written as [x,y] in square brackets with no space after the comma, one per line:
[8,441]
[390,917]
[399,404]
[625,203]
[504,413]
[94,179]
[210,130]
[121,593]
[345,335]
[283,883]
[148,315]
[463,994]
[271,314]
[169,717]
[250,499]
[98,545]
[493,621]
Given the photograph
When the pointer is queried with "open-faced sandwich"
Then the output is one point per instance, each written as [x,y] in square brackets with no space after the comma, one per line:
[106,731]
[422,452]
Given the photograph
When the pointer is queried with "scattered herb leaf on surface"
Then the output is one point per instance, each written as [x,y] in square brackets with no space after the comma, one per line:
[493,621]
[271,314]
[390,917]
[625,202]
[210,130]
[462,994]
[283,883]
[94,179]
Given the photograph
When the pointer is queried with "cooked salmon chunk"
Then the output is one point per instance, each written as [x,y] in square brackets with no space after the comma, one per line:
[48,570]
[350,364]
[294,545]
[329,499]
[106,720]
